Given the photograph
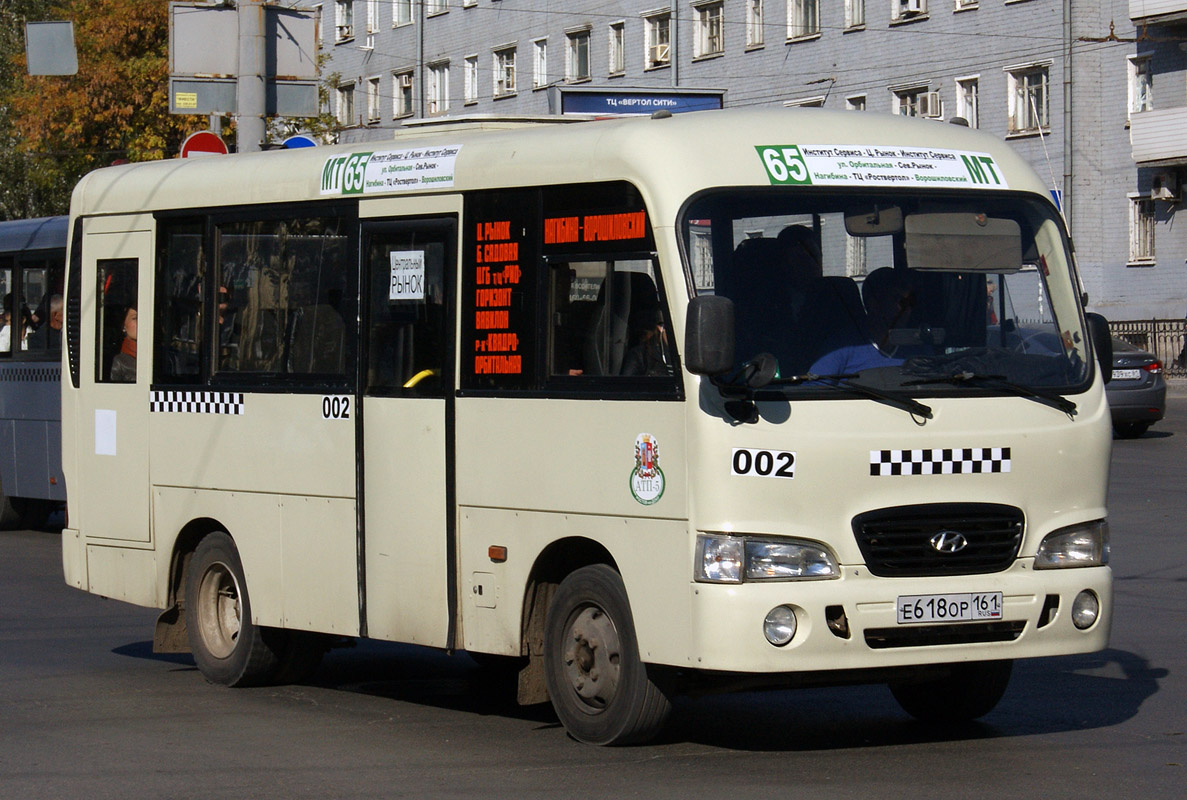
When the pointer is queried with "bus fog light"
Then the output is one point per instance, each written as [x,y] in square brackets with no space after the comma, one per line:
[779,626]
[1085,610]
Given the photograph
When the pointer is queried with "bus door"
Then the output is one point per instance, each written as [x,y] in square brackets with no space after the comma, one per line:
[407,417]
[114,501]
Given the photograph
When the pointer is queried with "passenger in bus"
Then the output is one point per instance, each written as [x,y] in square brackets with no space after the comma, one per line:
[802,251]
[10,314]
[123,366]
[888,299]
[49,335]
[648,356]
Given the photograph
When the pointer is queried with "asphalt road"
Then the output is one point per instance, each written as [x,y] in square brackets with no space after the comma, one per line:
[87,711]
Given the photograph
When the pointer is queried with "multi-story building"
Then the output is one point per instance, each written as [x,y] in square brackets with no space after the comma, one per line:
[1066,84]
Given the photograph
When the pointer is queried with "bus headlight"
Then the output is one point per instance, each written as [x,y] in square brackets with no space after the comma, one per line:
[734,559]
[1085,545]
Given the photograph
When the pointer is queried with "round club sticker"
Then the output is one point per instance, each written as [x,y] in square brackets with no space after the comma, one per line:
[647,479]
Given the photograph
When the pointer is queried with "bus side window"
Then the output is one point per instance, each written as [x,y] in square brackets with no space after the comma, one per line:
[608,320]
[116,332]
[179,303]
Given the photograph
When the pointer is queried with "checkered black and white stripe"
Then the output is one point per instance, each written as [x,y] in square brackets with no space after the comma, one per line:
[954,461]
[15,374]
[197,402]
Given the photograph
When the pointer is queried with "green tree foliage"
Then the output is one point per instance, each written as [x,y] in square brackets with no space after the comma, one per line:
[55,129]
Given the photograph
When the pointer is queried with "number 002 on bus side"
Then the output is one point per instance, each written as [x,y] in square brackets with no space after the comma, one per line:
[949,607]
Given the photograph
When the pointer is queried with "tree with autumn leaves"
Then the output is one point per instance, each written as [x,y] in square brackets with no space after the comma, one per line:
[55,129]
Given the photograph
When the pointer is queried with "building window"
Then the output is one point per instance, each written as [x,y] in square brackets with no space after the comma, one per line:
[967,93]
[855,13]
[372,19]
[803,18]
[373,99]
[401,13]
[911,101]
[657,40]
[539,63]
[708,37]
[469,3]
[855,256]
[471,85]
[1028,93]
[907,9]
[402,94]
[806,102]
[438,88]
[436,7]
[343,20]
[577,56]
[1141,230]
[855,103]
[346,105]
[1141,86]
[505,72]
[617,60]
[964,5]
[754,23]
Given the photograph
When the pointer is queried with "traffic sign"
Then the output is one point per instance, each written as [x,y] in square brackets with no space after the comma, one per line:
[203,143]
[300,140]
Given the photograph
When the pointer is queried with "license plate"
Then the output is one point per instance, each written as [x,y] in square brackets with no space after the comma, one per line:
[1127,374]
[949,607]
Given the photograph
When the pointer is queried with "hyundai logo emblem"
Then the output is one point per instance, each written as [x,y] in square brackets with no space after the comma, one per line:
[948,542]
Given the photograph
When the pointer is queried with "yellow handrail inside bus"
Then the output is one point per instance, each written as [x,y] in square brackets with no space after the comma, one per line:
[420,376]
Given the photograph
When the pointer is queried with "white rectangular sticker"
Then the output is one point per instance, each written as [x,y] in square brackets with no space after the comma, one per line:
[104,432]
[389,170]
[335,406]
[762,463]
[408,275]
[879,165]
[968,607]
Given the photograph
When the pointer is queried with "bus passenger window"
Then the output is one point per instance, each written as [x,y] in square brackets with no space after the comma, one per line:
[283,297]
[116,332]
[608,320]
[179,303]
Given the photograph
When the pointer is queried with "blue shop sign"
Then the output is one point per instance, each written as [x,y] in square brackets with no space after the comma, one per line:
[619,103]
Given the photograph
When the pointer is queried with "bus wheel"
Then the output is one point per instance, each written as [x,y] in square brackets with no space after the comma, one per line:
[971,691]
[227,647]
[599,687]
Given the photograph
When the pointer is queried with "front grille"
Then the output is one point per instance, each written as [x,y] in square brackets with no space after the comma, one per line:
[933,635]
[899,542]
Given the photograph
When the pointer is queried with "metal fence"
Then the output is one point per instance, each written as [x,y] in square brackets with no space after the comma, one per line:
[1162,337]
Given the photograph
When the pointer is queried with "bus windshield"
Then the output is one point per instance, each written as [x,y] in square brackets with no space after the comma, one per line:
[923,293]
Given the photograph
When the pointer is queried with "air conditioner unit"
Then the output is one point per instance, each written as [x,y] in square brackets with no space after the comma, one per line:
[344,32]
[406,80]
[659,54]
[930,105]
[1165,186]
[911,7]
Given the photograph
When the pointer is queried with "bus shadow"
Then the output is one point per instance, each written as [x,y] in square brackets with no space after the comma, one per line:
[1052,695]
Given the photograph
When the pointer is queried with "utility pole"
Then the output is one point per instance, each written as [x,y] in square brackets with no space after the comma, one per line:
[249,137]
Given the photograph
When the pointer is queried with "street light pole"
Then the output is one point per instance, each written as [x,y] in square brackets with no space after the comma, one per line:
[249,137]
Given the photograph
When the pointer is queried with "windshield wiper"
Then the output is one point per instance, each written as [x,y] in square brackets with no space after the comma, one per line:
[844,381]
[1050,398]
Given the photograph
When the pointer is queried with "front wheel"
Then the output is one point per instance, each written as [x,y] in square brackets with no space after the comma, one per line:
[601,690]
[969,692]
[1130,430]
[227,647]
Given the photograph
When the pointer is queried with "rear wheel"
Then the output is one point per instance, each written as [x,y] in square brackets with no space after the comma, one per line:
[969,692]
[601,690]
[1130,430]
[227,647]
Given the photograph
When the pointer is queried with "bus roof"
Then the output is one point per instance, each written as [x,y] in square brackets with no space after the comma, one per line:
[669,157]
[41,233]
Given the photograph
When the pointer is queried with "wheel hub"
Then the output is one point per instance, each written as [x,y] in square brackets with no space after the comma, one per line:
[220,612]
[593,657]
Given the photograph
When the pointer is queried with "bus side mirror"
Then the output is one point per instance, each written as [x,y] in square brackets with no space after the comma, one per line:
[1102,343]
[709,335]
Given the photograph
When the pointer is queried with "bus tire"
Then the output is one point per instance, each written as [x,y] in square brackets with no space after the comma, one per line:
[601,690]
[969,692]
[227,647]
